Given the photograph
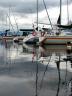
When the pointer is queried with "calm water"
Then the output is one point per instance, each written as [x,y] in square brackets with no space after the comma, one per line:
[28,70]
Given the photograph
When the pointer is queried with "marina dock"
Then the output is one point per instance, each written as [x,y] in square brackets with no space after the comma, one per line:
[11,37]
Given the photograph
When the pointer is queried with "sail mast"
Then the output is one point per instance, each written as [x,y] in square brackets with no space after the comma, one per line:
[9,17]
[37,15]
[67,12]
[60,11]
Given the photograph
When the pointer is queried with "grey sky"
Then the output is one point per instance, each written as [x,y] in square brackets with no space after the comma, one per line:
[23,7]
[28,6]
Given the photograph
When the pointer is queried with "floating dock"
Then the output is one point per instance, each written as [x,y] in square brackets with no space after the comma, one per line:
[11,37]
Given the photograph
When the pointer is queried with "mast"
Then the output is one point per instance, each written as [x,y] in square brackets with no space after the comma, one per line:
[37,15]
[60,17]
[60,10]
[37,58]
[9,17]
[67,13]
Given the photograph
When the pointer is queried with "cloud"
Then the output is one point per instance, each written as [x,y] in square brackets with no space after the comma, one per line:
[26,10]
[29,6]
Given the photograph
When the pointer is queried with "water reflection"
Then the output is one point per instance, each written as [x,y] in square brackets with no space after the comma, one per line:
[46,55]
[58,52]
[46,70]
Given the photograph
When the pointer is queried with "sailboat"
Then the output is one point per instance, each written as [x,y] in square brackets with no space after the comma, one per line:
[34,37]
[59,37]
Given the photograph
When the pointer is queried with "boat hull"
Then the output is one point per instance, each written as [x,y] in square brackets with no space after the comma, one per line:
[31,39]
[56,39]
[18,39]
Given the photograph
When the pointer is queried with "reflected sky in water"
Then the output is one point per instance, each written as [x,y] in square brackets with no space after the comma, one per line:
[29,70]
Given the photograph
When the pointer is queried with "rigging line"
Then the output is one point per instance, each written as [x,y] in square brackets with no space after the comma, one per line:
[10,22]
[36,80]
[15,21]
[59,67]
[60,11]
[66,73]
[58,89]
[3,51]
[47,14]
[58,64]
[5,44]
[9,61]
[66,78]
[37,15]
[36,77]
[67,12]
[9,16]
[44,73]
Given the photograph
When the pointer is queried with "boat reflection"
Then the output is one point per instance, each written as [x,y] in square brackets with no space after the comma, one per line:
[56,52]
[48,55]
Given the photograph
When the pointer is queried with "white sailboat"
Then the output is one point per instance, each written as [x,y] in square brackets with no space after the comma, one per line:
[55,39]
[34,37]
[58,38]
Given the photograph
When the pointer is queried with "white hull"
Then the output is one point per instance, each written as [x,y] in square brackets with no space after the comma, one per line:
[31,39]
[55,39]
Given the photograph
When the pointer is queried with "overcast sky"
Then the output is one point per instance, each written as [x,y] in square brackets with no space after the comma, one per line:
[24,12]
